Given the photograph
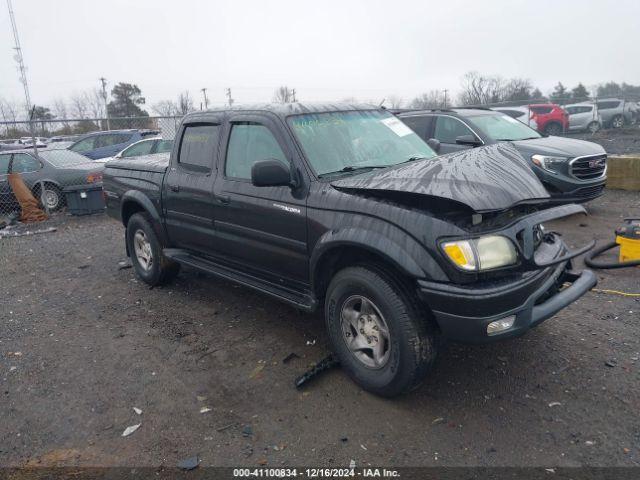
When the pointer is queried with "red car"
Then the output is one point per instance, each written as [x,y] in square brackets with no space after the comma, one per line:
[551,118]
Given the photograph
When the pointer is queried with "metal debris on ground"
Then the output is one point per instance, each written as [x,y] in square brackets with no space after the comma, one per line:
[290,357]
[124,264]
[205,410]
[129,430]
[247,431]
[325,364]
[137,410]
[4,233]
[189,463]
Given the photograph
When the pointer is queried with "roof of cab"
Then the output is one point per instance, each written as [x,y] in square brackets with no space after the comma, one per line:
[286,109]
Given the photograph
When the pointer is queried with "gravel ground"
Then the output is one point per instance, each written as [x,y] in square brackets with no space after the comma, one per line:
[82,343]
[624,141]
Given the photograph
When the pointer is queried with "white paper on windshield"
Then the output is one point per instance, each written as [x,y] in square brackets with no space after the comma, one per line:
[397,126]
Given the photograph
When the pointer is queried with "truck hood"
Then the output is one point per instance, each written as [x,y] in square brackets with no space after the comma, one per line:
[491,178]
[558,146]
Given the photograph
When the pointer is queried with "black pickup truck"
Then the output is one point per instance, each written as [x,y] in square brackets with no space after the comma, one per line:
[345,208]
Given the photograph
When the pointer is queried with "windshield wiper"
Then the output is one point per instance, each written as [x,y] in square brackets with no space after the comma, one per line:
[353,168]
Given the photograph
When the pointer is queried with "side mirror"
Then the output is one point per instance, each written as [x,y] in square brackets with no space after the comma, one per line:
[470,140]
[270,173]
[434,143]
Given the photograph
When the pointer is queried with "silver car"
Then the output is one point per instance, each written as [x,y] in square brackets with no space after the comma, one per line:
[583,117]
[617,113]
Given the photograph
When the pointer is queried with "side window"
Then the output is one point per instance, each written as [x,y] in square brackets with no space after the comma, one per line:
[112,139]
[24,163]
[541,110]
[420,125]
[84,145]
[608,105]
[4,164]
[137,149]
[249,143]
[449,128]
[198,146]
[164,146]
[572,110]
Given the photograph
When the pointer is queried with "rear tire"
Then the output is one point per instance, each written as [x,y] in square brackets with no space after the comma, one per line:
[362,304]
[145,249]
[553,128]
[593,127]
[617,121]
[53,198]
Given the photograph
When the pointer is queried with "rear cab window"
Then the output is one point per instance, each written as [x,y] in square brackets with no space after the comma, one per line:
[198,146]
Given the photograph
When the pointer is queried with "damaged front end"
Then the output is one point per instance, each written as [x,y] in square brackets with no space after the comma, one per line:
[480,306]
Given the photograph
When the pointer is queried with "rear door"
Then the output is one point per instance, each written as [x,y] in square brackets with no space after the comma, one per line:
[447,129]
[261,229]
[188,186]
[7,200]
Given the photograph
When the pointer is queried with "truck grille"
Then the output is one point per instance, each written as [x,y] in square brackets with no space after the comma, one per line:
[589,167]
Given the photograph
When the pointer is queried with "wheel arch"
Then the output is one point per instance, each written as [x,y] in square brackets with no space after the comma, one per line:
[134,202]
[347,247]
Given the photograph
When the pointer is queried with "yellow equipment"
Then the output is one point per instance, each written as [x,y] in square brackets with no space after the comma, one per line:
[628,237]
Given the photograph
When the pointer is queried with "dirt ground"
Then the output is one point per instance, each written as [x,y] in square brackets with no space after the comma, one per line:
[82,343]
[622,141]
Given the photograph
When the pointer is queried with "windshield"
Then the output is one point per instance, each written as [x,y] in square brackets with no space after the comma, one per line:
[347,141]
[502,127]
[63,158]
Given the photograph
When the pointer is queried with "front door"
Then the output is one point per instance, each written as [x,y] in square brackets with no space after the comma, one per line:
[446,130]
[262,229]
[188,187]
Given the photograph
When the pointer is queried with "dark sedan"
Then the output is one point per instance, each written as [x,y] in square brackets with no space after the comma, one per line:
[571,170]
[53,169]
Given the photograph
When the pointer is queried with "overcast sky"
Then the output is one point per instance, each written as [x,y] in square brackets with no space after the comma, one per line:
[327,50]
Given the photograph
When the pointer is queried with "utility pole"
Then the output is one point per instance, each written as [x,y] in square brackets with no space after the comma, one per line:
[445,98]
[23,75]
[206,100]
[104,97]
[293,95]
[229,97]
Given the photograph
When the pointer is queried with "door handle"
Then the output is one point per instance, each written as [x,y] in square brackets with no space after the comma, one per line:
[174,188]
[225,200]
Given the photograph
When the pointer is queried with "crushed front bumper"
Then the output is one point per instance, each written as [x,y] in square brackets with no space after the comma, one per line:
[464,313]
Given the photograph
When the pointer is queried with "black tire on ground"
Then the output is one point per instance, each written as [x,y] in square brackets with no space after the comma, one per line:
[54,197]
[617,121]
[593,127]
[414,341]
[553,128]
[160,269]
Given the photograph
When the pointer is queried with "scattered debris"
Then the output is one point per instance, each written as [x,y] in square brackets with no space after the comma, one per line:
[352,464]
[555,404]
[201,398]
[263,461]
[189,463]
[256,371]
[290,357]
[550,470]
[137,410]
[311,342]
[247,450]
[589,442]
[27,232]
[82,267]
[626,450]
[363,447]
[611,363]
[437,420]
[129,430]
[124,265]
[247,431]
[11,369]
[325,364]
[205,410]
[226,427]
[344,439]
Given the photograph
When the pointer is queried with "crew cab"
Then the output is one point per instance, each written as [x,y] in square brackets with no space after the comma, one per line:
[344,208]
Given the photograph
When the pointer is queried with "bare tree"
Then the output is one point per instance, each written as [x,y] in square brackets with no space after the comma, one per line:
[8,110]
[185,103]
[95,102]
[431,99]
[79,105]
[394,101]
[60,111]
[283,95]
[165,108]
[480,89]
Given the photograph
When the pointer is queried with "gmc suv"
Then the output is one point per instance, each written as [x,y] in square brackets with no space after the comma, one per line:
[344,208]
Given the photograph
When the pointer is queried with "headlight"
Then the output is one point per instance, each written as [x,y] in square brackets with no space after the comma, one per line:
[548,163]
[484,253]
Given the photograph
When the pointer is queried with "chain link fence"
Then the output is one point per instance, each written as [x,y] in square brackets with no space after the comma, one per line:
[54,167]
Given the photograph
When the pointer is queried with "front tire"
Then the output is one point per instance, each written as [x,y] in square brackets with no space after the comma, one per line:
[593,127]
[145,249]
[378,331]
